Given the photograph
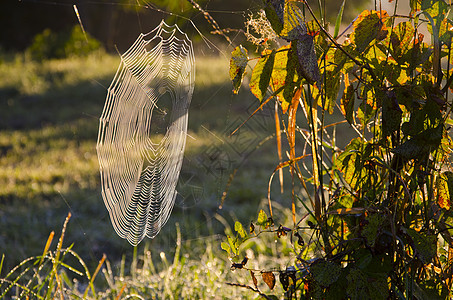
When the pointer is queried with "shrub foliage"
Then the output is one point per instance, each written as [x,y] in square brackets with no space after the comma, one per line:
[376,219]
[48,44]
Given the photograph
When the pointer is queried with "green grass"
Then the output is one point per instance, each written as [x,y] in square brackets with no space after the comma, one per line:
[48,167]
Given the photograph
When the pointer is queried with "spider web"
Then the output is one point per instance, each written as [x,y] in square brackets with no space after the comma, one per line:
[143,129]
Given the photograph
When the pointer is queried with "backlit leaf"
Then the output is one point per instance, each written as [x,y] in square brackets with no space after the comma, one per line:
[368,27]
[269,279]
[261,74]
[338,20]
[347,101]
[238,63]
[436,9]
[368,107]
[284,75]
[233,246]
[350,164]
[446,31]
[293,22]
[262,218]
[445,190]
[348,211]
[331,87]
[401,41]
[240,229]
[225,246]
[415,6]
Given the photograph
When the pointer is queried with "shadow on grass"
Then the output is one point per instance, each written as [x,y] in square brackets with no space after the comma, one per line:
[47,141]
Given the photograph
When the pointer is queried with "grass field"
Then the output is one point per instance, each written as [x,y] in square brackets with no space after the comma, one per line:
[48,167]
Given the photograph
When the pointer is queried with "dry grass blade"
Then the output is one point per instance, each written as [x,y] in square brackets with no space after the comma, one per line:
[278,134]
[121,292]
[290,162]
[101,262]
[46,248]
[291,133]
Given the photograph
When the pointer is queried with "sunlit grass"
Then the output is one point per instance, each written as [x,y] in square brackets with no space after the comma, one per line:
[48,166]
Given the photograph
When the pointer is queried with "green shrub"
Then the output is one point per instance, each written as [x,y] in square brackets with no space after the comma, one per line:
[48,44]
[375,219]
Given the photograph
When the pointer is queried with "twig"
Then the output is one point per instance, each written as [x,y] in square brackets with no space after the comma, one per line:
[250,288]
[210,20]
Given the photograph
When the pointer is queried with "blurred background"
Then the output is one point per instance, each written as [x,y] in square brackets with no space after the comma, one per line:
[117,22]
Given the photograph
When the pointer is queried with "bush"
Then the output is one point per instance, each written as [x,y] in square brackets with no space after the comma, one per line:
[375,219]
[48,44]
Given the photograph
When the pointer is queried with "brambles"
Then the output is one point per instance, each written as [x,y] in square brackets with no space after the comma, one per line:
[376,215]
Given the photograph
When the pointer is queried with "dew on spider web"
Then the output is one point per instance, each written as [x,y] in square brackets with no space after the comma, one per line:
[143,131]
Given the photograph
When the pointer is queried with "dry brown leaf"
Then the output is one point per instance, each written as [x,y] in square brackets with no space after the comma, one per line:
[269,279]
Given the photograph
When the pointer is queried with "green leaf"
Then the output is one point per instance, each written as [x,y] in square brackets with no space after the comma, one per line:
[293,22]
[240,229]
[435,8]
[371,230]
[325,272]
[367,28]
[391,114]
[338,21]
[262,220]
[446,31]
[274,10]
[225,246]
[284,75]
[238,63]
[428,117]
[340,61]
[424,244]
[368,107]
[347,103]
[337,290]
[415,6]
[401,40]
[350,163]
[233,246]
[331,87]
[421,144]
[361,286]
[261,74]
